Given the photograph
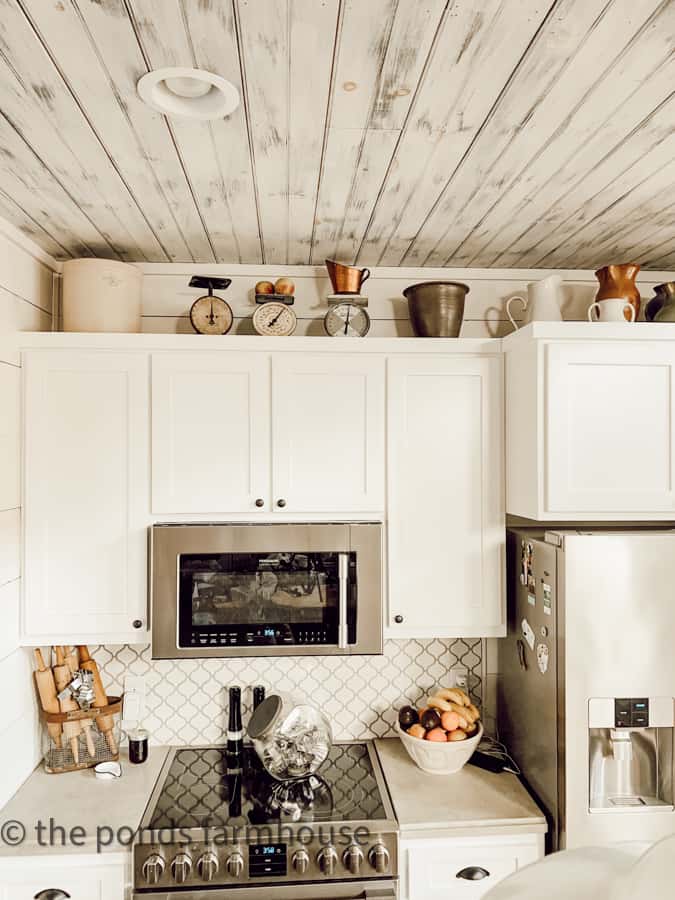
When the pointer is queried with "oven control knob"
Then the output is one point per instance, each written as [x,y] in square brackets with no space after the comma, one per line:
[207,866]
[181,867]
[352,859]
[300,861]
[379,858]
[327,860]
[235,865]
[153,868]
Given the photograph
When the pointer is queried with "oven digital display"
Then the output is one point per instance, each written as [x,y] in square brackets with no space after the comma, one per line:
[265,860]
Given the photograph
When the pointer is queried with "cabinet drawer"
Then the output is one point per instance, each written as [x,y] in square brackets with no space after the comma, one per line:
[434,866]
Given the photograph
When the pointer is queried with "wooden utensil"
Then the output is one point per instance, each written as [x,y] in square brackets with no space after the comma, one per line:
[63,677]
[44,679]
[105,723]
[73,663]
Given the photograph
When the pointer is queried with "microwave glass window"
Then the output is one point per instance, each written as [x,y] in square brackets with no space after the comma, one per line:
[261,598]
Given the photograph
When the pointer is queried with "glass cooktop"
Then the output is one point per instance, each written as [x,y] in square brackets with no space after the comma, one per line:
[207,787]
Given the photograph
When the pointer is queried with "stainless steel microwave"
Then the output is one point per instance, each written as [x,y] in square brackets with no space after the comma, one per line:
[266,589]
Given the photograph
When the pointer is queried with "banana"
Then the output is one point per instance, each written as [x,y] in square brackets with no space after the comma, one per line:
[474,711]
[440,703]
[455,695]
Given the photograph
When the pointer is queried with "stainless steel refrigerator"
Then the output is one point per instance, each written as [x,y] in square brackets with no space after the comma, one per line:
[587,679]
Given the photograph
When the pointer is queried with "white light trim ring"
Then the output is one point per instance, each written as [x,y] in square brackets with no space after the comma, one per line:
[190,93]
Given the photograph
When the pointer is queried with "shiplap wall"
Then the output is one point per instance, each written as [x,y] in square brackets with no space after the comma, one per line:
[167,297]
[25,305]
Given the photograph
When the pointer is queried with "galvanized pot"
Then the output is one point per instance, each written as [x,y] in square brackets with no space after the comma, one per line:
[436,307]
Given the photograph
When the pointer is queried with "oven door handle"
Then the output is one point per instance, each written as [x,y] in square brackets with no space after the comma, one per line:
[343,579]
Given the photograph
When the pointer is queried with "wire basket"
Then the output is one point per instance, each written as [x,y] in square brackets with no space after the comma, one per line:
[81,738]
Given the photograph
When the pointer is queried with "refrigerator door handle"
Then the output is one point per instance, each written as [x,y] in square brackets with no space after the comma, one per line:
[521,655]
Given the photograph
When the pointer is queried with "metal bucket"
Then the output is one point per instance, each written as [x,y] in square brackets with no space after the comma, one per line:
[436,307]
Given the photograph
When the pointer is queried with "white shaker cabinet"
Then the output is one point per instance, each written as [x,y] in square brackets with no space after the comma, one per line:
[48,877]
[86,419]
[445,496]
[591,425]
[328,432]
[210,432]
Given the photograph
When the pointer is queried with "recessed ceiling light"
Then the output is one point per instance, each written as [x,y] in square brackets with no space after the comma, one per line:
[191,93]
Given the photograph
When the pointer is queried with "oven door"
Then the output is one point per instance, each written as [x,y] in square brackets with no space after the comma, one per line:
[253,590]
[359,890]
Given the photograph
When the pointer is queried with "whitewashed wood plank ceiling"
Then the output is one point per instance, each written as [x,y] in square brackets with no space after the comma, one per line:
[491,133]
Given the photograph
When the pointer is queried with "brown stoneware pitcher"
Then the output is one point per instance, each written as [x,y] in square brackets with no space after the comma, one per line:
[346,279]
[617,282]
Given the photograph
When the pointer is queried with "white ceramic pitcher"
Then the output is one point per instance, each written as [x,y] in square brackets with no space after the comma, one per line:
[543,301]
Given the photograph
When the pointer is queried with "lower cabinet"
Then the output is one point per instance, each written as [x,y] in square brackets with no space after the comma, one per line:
[71,877]
[467,867]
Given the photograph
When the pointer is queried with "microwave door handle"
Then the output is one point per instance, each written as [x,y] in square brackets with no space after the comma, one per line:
[343,579]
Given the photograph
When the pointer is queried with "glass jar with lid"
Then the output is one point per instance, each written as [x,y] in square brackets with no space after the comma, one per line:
[291,738]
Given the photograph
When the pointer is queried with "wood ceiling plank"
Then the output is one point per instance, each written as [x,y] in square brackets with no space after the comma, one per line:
[286,104]
[13,213]
[622,166]
[661,251]
[25,179]
[568,56]
[637,212]
[475,54]
[35,99]
[383,50]
[635,82]
[215,155]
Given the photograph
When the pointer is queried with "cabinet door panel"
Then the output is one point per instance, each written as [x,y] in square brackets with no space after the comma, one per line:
[445,496]
[86,493]
[328,432]
[210,432]
[610,435]
[24,879]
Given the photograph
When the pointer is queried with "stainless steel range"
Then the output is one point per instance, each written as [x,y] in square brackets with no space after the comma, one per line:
[218,827]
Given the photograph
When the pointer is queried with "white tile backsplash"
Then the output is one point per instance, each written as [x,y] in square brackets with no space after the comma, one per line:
[187,699]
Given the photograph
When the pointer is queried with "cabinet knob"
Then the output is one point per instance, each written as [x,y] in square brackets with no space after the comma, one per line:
[259,502]
[398,619]
[473,873]
[52,894]
[281,503]
[137,623]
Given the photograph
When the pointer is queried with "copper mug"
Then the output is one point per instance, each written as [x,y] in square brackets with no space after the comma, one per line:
[346,279]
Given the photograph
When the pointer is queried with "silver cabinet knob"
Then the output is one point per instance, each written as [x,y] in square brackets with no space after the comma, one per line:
[181,867]
[235,865]
[208,865]
[352,859]
[281,503]
[398,619]
[300,861]
[153,868]
[379,858]
[52,894]
[259,502]
[327,860]
[137,623]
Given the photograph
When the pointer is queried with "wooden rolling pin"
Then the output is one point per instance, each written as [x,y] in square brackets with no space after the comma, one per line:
[71,730]
[44,678]
[105,723]
[73,663]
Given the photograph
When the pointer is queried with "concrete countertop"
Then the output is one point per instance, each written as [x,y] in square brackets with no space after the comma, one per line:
[97,815]
[472,801]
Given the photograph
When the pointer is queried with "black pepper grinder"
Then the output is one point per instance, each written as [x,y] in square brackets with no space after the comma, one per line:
[258,696]
[235,736]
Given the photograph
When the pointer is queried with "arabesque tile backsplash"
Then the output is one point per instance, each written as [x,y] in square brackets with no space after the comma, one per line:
[186,699]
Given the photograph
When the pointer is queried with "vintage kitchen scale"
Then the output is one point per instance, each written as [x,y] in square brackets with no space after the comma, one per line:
[210,314]
[273,316]
[346,316]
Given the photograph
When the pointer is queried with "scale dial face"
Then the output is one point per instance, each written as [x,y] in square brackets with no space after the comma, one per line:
[347,320]
[211,315]
[274,319]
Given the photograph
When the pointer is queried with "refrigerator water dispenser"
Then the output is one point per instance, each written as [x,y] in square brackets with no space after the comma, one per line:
[630,760]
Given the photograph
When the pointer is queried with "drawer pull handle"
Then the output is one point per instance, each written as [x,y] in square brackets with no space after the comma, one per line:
[52,894]
[473,873]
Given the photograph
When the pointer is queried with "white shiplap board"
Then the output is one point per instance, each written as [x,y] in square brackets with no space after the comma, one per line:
[25,304]
[388,132]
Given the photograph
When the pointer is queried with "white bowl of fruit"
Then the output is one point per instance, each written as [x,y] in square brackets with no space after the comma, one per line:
[440,738]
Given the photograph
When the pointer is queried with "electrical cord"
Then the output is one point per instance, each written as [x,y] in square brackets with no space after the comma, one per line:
[494,748]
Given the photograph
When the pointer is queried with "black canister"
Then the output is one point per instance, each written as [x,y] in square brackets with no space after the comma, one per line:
[138,746]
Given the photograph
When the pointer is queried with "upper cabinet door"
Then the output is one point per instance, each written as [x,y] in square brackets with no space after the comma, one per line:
[210,432]
[445,497]
[328,433]
[86,496]
[610,429]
